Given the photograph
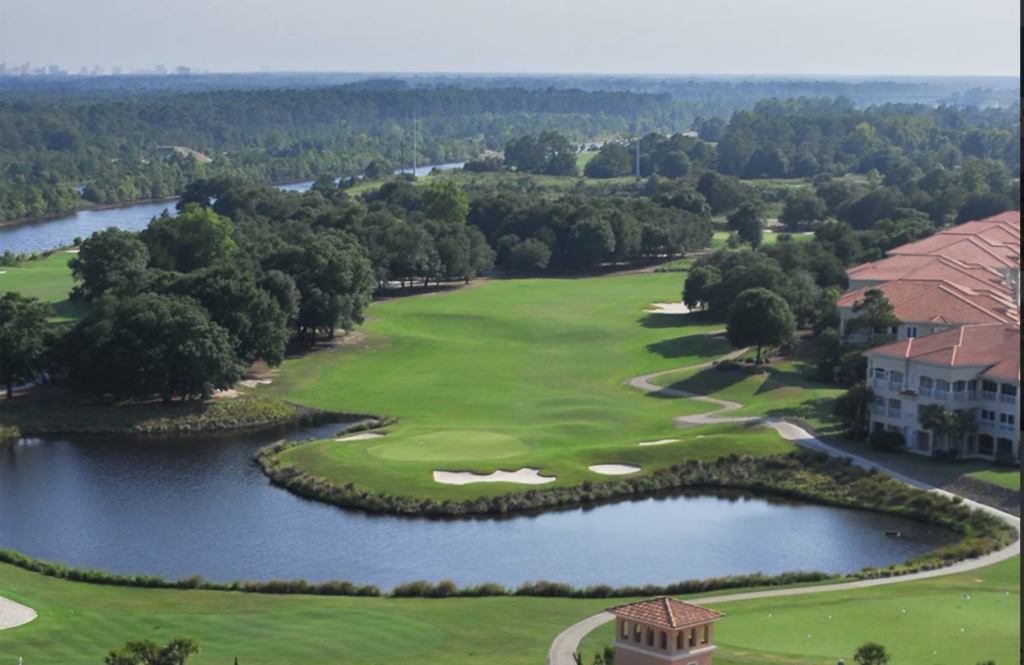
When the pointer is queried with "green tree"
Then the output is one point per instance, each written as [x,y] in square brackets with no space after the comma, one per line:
[24,339]
[146,652]
[853,408]
[194,239]
[252,316]
[760,318]
[748,222]
[531,255]
[335,278]
[951,426]
[378,169]
[111,260]
[803,207]
[613,161]
[151,345]
[700,284]
[444,201]
[592,239]
[871,653]
[875,315]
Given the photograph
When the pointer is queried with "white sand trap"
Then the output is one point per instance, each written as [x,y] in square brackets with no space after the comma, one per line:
[252,383]
[3,272]
[226,394]
[668,308]
[522,476]
[72,251]
[14,614]
[614,469]
[659,442]
[361,437]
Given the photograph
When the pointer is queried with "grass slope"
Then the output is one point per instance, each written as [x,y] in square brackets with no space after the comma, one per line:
[282,630]
[936,611]
[540,361]
[49,280]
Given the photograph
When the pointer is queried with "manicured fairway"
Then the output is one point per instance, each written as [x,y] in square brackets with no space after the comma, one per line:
[49,280]
[540,361]
[776,630]
[718,241]
[784,391]
[293,630]
[280,630]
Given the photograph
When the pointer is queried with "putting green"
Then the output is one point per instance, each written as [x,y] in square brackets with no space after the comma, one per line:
[449,446]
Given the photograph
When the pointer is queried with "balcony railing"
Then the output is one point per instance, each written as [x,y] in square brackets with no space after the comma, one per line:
[879,384]
[1006,427]
[987,424]
[1007,399]
[941,395]
[924,392]
[895,386]
[963,396]
[879,410]
[895,413]
[988,395]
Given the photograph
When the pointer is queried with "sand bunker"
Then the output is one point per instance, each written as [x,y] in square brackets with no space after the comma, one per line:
[659,442]
[361,437]
[522,477]
[14,614]
[614,469]
[668,308]
[72,251]
[252,383]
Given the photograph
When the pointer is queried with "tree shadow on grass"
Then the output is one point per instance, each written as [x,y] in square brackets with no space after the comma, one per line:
[704,382]
[68,309]
[661,321]
[693,346]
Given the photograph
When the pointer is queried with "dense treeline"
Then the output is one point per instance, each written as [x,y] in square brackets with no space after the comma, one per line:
[184,307]
[278,135]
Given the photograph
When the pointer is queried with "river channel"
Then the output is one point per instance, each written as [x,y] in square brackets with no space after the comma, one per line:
[61,232]
[199,505]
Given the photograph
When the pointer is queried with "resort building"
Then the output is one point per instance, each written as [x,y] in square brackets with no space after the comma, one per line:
[976,368]
[958,295]
[664,630]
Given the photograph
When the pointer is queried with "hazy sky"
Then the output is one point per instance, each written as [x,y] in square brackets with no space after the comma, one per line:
[893,37]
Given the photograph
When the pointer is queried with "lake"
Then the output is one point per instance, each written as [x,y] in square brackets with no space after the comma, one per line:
[199,505]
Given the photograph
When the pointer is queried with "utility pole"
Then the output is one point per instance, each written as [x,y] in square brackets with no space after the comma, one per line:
[414,144]
[638,152]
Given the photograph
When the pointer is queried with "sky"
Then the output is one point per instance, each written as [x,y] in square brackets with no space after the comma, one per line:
[795,37]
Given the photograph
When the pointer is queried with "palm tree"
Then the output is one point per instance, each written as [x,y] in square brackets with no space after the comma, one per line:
[952,426]
[853,408]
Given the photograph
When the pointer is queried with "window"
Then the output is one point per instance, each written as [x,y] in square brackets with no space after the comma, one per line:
[1007,422]
[637,633]
[705,633]
[879,373]
[987,417]
[911,332]
[986,445]
[625,631]
[894,331]
[650,637]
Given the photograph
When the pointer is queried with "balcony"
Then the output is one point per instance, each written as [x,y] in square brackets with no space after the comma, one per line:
[964,396]
[1007,399]
[897,386]
[989,395]
[925,392]
[941,395]
[1007,427]
[895,413]
[989,425]
[878,410]
[878,384]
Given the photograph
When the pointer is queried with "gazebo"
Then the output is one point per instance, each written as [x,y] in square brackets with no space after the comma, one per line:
[664,630]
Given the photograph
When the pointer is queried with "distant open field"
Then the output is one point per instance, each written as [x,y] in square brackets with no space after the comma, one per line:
[49,280]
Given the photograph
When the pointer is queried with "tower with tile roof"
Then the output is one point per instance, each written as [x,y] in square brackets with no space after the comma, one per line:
[662,631]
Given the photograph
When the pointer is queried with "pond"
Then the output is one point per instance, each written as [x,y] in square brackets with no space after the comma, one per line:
[199,505]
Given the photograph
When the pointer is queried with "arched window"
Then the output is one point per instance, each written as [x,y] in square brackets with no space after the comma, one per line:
[664,641]
[650,637]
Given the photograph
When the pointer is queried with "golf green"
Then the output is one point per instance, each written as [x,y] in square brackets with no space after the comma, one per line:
[450,445]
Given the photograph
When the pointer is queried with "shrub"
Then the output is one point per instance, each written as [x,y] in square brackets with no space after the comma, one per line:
[1007,460]
[887,442]
[727,366]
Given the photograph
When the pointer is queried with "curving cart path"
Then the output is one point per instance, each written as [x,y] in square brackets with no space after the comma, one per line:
[565,645]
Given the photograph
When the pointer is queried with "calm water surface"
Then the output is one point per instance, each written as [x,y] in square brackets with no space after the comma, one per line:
[49,234]
[176,507]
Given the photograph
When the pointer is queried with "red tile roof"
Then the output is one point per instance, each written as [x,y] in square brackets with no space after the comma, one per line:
[966,249]
[996,347]
[917,301]
[666,612]
[930,268]
[1011,217]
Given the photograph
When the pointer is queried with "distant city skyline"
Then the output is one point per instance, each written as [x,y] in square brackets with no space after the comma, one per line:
[657,37]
